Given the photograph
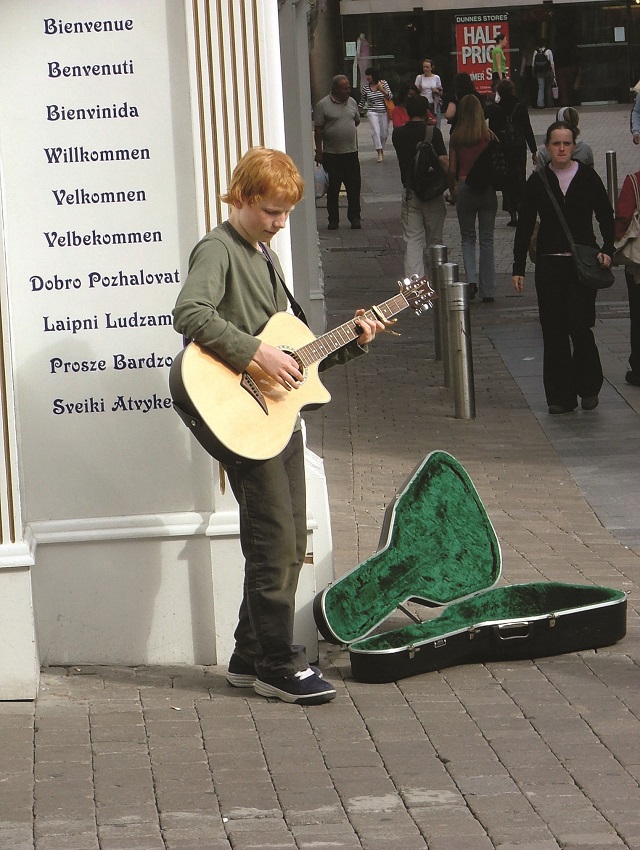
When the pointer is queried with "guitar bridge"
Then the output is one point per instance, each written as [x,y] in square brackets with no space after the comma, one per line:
[248,384]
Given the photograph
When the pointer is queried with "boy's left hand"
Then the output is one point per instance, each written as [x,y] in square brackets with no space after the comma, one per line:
[369,327]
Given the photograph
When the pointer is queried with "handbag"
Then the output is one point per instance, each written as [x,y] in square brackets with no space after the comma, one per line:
[490,168]
[628,246]
[585,257]
[555,90]
[389,106]
[388,100]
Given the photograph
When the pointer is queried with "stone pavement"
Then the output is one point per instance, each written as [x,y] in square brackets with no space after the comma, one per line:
[529,755]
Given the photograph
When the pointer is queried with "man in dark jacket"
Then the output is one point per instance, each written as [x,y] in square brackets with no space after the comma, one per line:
[422,221]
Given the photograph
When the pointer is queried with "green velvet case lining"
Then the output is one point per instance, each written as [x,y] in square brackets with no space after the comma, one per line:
[513,602]
[438,546]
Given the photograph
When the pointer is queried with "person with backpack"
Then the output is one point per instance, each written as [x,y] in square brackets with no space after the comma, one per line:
[545,72]
[509,120]
[468,142]
[423,161]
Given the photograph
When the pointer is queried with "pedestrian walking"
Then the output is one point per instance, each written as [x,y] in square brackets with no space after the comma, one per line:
[509,120]
[374,94]
[468,141]
[422,218]
[335,120]
[429,85]
[626,208]
[571,362]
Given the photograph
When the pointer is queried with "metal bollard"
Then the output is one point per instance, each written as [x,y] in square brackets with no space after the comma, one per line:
[449,275]
[460,348]
[437,256]
[612,177]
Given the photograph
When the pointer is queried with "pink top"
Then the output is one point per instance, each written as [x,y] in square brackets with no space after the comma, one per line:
[565,175]
[467,156]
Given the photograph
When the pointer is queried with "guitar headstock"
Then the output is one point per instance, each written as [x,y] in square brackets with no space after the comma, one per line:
[418,292]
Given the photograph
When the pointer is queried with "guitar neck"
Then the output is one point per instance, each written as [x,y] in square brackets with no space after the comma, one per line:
[346,333]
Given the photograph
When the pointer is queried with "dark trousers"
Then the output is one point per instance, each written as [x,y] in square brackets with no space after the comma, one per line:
[517,167]
[273,535]
[343,168]
[567,310]
[633,290]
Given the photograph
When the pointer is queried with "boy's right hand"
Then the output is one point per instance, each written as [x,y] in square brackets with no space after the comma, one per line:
[279,365]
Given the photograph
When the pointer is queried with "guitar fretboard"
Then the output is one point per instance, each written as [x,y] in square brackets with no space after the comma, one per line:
[346,333]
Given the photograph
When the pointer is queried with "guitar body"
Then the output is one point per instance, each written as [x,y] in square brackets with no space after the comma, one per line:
[239,416]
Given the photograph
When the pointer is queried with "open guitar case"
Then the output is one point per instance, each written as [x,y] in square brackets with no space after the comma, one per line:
[439,548]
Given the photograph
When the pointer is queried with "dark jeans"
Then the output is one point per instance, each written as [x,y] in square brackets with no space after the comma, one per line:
[342,168]
[567,310]
[633,290]
[273,534]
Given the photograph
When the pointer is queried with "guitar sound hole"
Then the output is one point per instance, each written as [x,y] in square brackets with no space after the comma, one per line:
[301,365]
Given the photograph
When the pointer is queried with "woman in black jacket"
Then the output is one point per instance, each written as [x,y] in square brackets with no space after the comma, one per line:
[509,120]
[571,364]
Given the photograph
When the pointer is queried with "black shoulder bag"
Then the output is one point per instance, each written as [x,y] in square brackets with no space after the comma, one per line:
[585,257]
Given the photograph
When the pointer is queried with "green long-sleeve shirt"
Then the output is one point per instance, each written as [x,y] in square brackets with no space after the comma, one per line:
[229,296]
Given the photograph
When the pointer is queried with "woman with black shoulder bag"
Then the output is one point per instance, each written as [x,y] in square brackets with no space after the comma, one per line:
[564,196]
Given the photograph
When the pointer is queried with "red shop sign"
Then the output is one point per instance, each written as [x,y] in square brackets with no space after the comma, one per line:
[475,40]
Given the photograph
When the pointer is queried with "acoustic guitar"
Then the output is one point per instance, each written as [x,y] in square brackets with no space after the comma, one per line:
[247,416]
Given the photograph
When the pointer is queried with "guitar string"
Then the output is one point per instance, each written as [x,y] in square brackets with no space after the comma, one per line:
[345,333]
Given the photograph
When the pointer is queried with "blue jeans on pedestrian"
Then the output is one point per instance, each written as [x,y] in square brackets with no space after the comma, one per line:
[483,206]
[545,96]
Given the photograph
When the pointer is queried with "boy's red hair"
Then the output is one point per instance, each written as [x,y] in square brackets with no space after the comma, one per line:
[264,172]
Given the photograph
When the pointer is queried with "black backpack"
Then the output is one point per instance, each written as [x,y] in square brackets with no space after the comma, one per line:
[511,136]
[541,62]
[426,177]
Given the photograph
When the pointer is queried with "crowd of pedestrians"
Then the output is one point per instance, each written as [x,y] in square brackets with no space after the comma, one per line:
[489,132]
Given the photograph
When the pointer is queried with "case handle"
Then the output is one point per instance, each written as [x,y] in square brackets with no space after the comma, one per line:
[513,631]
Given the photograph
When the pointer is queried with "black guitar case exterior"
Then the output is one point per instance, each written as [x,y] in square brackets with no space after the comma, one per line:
[439,548]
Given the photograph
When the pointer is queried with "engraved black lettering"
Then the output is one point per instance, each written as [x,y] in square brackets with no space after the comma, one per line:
[56,364]
[57,70]
[58,284]
[60,27]
[82,196]
[87,405]
[79,155]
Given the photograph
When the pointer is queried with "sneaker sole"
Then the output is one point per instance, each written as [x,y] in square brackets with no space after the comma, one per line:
[241,680]
[248,680]
[266,690]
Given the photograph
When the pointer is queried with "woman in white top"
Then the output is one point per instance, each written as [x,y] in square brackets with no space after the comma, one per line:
[430,86]
[374,92]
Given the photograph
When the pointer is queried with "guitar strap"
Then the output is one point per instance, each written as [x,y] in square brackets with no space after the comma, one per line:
[298,312]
